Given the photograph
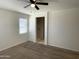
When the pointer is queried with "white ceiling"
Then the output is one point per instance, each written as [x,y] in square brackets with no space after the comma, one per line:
[53,4]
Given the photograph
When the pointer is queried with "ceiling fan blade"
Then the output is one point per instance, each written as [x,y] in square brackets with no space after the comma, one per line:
[36,7]
[41,3]
[27,6]
[32,1]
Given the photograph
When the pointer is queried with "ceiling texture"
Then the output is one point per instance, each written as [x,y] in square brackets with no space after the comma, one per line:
[18,5]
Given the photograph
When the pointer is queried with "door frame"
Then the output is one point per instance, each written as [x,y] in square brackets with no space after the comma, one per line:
[46,29]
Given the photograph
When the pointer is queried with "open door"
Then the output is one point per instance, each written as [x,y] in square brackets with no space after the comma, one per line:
[40,30]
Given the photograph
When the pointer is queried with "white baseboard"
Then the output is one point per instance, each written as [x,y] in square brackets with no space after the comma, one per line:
[12,45]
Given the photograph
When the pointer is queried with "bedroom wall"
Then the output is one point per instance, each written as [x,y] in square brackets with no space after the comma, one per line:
[9,29]
[63,29]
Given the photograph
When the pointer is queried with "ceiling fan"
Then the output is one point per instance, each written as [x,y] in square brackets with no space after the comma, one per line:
[34,3]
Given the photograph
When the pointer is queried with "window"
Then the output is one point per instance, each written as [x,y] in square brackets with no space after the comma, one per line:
[22,25]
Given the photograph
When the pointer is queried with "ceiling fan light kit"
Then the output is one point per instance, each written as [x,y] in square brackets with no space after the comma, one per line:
[34,3]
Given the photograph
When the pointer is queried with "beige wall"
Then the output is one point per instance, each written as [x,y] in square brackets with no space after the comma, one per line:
[64,29]
[9,29]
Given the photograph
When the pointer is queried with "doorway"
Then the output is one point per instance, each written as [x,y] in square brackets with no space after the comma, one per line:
[40,30]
